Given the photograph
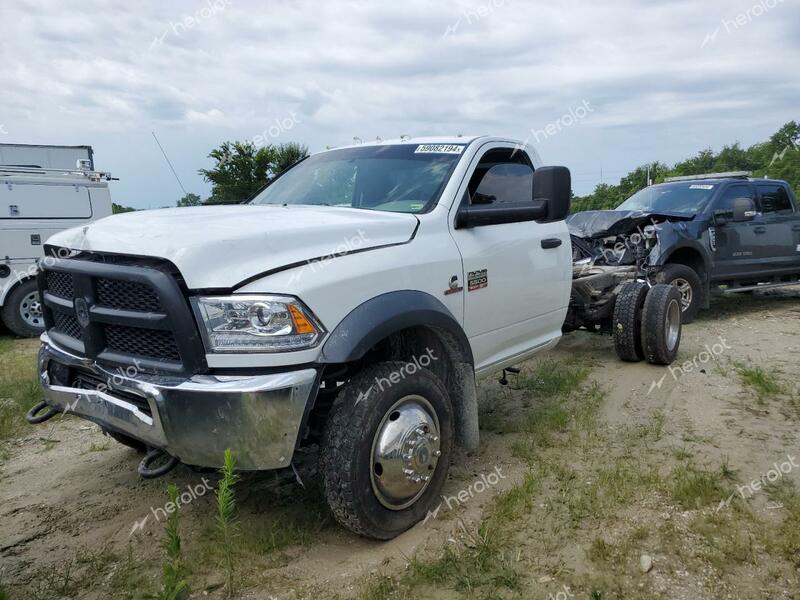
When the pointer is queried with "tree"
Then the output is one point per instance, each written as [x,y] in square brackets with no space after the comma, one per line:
[778,158]
[190,200]
[118,208]
[242,169]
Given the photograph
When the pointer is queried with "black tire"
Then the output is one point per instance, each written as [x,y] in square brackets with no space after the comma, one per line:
[688,282]
[661,337]
[627,322]
[126,441]
[17,303]
[346,453]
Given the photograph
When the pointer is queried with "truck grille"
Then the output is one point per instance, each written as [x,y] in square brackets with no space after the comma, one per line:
[121,314]
[127,295]
[143,342]
[60,284]
[68,325]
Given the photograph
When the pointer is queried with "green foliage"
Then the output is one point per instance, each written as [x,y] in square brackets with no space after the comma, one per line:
[778,158]
[118,208]
[189,200]
[227,523]
[242,169]
[173,586]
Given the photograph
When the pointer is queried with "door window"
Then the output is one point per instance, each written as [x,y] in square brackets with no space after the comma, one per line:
[502,177]
[775,199]
[729,196]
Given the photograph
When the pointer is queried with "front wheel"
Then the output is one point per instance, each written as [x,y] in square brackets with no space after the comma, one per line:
[690,286]
[22,311]
[386,449]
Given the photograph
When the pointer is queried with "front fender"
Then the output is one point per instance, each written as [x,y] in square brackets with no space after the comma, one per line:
[672,240]
[380,317]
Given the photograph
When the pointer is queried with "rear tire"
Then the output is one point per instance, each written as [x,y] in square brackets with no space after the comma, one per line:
[627,322]
[22,311]
[661,324]
[689,284]
[370,484]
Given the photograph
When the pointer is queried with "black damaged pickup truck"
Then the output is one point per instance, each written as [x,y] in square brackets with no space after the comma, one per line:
[703,234]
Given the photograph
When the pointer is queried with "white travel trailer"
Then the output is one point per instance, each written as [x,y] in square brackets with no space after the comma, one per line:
[35,203]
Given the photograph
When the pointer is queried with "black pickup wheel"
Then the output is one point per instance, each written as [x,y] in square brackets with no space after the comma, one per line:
[690,286]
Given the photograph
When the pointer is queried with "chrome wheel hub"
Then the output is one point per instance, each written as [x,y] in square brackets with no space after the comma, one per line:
[687,295]
[30,309]
[405,452]
[673,324]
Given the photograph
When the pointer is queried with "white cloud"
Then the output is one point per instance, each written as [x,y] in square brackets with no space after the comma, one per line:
[90,73]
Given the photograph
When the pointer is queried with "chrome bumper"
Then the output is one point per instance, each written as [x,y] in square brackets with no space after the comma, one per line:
[195,419]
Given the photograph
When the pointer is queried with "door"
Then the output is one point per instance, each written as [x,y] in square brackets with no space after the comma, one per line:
[44,201]
[738,244]
[780,245]
[517,276]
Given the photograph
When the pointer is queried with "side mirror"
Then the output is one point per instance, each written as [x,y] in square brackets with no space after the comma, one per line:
[744,209]
[721,217]
[553,186]
[476,216]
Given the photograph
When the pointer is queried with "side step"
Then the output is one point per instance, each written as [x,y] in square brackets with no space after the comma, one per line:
[777,282]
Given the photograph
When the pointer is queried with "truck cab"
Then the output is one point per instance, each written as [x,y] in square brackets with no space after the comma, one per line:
[36,203]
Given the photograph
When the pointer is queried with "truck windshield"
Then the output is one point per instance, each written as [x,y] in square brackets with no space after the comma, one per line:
[404,178]
[682,197]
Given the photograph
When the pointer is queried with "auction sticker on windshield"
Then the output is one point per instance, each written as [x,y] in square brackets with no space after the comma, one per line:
[701,187]
[439,149]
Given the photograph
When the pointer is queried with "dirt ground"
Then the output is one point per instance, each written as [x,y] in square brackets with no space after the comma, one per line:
[664,457]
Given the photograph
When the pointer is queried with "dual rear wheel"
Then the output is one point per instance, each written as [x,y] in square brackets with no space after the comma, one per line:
[647,323]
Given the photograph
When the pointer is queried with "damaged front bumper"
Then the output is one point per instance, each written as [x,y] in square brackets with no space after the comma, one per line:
[194,419]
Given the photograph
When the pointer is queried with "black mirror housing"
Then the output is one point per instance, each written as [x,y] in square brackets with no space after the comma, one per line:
[476,216]
[553,185]
[744,209]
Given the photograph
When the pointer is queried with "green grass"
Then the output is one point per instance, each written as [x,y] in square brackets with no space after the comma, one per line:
[552,378]
[19,387]
[765,383]
[694,487]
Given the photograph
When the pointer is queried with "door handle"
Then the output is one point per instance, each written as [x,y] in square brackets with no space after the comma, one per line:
[796,228]
[551,243]
[760,229]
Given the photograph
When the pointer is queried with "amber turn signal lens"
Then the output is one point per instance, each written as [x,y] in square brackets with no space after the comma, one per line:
[301,324]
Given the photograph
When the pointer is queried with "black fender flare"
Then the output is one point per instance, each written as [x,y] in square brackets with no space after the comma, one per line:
[378,318]
[702,251]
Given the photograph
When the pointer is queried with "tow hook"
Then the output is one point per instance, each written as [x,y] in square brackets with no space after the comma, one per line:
[154,456]
[35,415]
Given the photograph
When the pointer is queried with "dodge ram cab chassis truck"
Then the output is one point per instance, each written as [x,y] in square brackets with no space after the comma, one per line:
[349,305]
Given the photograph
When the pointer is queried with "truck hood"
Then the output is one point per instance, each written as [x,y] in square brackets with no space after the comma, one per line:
[222,246]
[606,223]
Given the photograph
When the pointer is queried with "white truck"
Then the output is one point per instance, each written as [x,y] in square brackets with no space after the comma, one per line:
[37,201]
[349,305]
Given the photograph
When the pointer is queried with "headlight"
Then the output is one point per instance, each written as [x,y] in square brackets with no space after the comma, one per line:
[257,323]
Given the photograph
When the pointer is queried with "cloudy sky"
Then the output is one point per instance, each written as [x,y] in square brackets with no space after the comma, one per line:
[663,79]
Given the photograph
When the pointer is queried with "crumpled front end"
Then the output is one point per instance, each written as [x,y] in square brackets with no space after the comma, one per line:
[620,238]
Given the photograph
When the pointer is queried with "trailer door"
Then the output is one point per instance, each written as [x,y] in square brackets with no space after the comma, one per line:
[44,201]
